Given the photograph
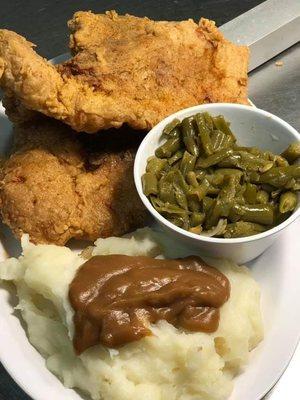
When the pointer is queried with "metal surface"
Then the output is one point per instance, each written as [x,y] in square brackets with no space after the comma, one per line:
[273,88]
[267,29]
[277,88]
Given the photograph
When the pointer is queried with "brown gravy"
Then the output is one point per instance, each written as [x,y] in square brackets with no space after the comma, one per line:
[115,297]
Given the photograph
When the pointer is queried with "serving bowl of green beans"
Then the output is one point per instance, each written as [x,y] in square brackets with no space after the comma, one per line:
[221,178]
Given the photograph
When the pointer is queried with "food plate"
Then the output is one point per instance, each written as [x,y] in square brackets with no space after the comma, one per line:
[275,271]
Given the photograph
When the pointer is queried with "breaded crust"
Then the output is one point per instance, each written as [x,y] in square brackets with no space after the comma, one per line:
[57,185]
[125,69]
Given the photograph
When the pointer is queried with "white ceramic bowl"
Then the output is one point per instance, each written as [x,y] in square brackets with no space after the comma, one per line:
[252,127]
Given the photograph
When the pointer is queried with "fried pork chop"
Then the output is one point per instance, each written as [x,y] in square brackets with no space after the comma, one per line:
[57,185]
[125,69]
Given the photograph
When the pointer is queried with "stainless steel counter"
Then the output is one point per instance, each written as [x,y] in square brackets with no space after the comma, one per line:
[277,88]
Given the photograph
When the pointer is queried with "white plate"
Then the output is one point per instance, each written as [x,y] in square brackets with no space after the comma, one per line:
[276,271]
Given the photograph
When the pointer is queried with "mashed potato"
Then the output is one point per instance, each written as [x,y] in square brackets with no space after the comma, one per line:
[171,364]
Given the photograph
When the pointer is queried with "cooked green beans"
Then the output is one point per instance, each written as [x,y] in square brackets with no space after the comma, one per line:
[156,165]
[204,134]
[223,126]
[201,180]
[191,179]
[171,126]
[287,202]
[214,158]
[150,183]
[262,197]
[189,136]
[187,163]
[250,193]
[292,153]
[175,157]
[242,229]
[279,177]
[259,213]
[220,141]
[169,148]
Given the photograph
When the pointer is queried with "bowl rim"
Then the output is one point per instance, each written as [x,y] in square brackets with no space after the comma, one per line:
[157,129]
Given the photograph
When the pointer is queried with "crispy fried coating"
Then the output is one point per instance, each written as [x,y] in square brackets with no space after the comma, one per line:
[125,69]
[56,185]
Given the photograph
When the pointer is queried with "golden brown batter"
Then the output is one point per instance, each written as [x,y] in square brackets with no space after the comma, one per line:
[115,297]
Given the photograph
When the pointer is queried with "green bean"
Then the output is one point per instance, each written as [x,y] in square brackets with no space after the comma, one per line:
[200,174]
[197,218]
[156,165]
[166,186]
[262,197]
[218,178]
[208,120]
[167,149]
[180,181]
[166,208]
[150,185]
[204,134]
[239,196]
[215,179]
[223,126]
[171,126]
[222,204]
[287,202]
[180,221]
[243,229]
[166,192]
[258,213]
[247,162]
[200,192]
[292,153]
[250,162]
[185,222]
[280,161]
[191,178]
[226,196]
[188,135]
[175,133]
[214,158]
[231,161]
[259,155]
[176,178]
[175,157]
[207,204]
[220,140]
[278,216]
[180,197]
[187,163]
[292,184]
[279,177]
[253,150]
[250,193]
[193,203]
[229,172]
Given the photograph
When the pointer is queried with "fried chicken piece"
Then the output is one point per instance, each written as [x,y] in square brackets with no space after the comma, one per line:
[125,69]
[57,185]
